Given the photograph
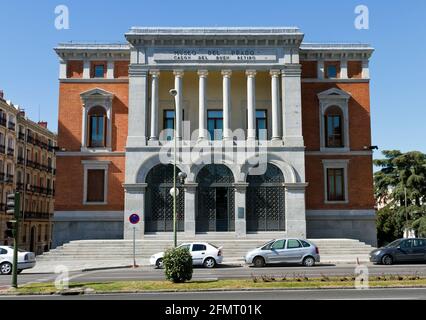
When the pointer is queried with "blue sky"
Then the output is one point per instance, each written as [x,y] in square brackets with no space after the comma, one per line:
[29,67]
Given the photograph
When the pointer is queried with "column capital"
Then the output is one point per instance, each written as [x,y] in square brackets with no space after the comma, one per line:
[292,70]
[154,73]
[178,73]
[251,73]
[275,73]
[227,73]
[203,73]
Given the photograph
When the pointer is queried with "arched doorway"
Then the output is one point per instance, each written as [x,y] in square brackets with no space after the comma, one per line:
[159,202]
[216,201]
[265,201]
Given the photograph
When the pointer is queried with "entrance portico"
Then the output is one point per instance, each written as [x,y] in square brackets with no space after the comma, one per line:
[233,73]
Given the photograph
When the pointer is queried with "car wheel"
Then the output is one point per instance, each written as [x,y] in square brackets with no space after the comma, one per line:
[387,260]
[309,262]
[159,264]
[6,268]
[209,263]
[259,262]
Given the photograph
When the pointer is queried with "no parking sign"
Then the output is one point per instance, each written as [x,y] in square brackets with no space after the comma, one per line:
[134,219]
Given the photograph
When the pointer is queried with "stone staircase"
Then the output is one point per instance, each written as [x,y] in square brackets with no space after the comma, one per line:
[87,254]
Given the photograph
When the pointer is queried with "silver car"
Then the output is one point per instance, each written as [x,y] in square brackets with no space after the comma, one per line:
[284,251]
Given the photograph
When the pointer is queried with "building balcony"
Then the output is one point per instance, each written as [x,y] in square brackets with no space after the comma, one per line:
[2,149]
[31,140]
[2,207]
[3,122]
[11,126]
[21,136]
[2,176]
[21,160]
[37,215]
[31,164]
[10,152]
[8,178]
[20,187]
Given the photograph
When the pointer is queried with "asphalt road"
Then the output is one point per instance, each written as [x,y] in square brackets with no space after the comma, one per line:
[329,294]
[223,272]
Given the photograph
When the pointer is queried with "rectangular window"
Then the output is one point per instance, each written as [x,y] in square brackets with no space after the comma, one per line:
[261,125]
[334,131]
[331,72]
[95,185]
[169,123]
[99,71]
[336,184]
[215,124]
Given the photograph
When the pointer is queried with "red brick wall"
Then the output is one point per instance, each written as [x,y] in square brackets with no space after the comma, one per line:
[355,69]
[360,183]
[74,69]
[359,113]
[70,184]
[309,69]
[70,114]
[121,69]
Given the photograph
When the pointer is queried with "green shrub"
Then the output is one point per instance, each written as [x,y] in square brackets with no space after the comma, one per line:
[178,265]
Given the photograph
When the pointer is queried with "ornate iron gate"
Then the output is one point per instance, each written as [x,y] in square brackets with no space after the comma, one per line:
[265,201]
[215,182]
[159,202]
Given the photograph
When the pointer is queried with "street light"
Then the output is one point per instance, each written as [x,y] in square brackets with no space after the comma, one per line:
[174,192]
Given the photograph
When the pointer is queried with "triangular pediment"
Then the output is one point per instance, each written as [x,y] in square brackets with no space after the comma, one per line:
[96,93]
[334,93]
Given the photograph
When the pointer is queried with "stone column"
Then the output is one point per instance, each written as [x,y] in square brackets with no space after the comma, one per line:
[110,70]
[365,69]
[190,192]
[240,209]
[292,106]
[134,204]
[84,128]
[295,210]
[179,102]
[62,69]
[275,74]
[202,120]
[155,75]
[137,107]
[86,69]
[227,108]
[344,69]
[251,104]
[320,69]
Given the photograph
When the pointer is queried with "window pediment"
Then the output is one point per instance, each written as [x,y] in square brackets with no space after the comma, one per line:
[334,94]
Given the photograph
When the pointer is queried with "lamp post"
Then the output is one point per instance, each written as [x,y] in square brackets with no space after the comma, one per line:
[182,176]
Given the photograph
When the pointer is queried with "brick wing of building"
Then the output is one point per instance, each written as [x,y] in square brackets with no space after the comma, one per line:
[309,104]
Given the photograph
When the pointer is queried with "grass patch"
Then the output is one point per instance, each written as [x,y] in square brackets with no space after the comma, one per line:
[299,283]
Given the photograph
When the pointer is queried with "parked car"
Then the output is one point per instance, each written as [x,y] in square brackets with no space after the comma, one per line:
[400,251]
[284,251]
[26,260]
[202,253]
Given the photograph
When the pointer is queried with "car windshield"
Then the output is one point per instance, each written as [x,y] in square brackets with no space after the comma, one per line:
[393,244]
[267,245]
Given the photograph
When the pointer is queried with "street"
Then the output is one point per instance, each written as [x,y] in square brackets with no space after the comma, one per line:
[263,295]
[223,272]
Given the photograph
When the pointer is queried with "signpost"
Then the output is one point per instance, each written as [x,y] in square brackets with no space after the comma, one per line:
[134,220]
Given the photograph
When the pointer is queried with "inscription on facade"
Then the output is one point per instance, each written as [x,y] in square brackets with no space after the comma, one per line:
[215,55]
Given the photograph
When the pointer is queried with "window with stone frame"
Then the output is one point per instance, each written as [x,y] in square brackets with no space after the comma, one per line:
[335,184]
[333,120]
[95,186]
[97,127]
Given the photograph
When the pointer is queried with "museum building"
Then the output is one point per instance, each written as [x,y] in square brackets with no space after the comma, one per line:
[246,98]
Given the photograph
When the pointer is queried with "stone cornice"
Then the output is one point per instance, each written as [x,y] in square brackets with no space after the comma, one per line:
[141,36]
[331,51]
[93,51]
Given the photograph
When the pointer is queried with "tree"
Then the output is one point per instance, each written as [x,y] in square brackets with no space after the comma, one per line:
[178,265]
[401,182]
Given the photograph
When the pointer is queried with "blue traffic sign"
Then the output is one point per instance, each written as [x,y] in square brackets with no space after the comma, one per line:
[134,219]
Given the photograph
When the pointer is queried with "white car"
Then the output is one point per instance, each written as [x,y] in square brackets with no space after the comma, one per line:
[203,254]
[26,260]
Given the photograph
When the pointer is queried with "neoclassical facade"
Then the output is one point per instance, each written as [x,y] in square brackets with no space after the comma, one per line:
[273,135]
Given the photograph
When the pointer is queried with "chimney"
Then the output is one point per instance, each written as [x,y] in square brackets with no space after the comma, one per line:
[43,124]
